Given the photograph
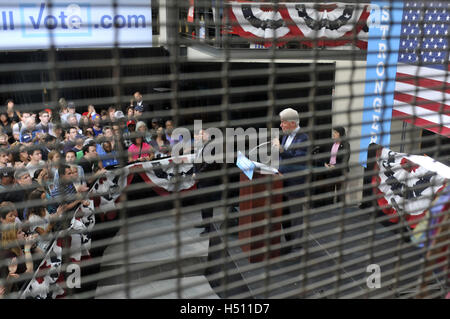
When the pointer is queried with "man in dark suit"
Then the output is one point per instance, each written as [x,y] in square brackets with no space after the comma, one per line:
[138,100]
[293,151]
[202,167]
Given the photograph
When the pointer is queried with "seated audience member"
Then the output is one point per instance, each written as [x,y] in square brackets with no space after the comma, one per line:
[160,144]
[40,219]
[36,161]
[91,164]
[139,150]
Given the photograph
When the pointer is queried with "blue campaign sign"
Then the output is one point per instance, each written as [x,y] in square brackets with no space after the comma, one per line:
[33,24]
[246,165]
[382,57]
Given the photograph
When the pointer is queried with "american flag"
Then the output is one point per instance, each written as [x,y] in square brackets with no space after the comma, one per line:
[422,89]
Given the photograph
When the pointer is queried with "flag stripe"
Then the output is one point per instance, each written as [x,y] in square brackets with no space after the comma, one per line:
[432,116]
[430,126]
[423,82]
[423,72]
[424,103]
[423,93]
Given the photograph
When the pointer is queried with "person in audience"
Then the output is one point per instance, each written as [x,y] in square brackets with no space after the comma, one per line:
[160,144]
[142,128]
[139,113]
[91,164]
[19,125]
[36,161]
[71,111]
[5,126]
[108,156]
[96,126]
[139,150]
[23,157]
[40,220]
[4,158]
[19,261]
[169,130]
[6,178]
[111,113]
[19,191]
[45,126]
[29,130]
[105,117]
[14,116]
[71,135]
[130,113]
[53,163]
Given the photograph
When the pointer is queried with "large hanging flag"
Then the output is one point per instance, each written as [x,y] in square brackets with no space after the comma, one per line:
[422,89]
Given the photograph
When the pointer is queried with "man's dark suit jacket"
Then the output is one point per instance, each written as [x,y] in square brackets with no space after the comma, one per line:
[296,153]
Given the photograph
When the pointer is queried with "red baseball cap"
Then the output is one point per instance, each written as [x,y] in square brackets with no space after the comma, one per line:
[131,122]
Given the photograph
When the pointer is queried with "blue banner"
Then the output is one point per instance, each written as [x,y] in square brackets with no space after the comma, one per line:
[382,56]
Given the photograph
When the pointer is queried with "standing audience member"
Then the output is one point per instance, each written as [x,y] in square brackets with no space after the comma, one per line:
[13,115]
[338,163]
[160,143]
[91,164]
[40,219]
[139,150]
[71,111]
[45,126]
[36,161]
[141,128]
[19,261]
[18,126]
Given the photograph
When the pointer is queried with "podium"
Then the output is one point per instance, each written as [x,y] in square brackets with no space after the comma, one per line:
[247,189]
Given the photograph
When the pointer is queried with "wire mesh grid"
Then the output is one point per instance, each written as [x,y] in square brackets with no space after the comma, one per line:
[137,188]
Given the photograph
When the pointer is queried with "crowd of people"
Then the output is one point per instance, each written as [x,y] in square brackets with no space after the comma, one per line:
[48,161]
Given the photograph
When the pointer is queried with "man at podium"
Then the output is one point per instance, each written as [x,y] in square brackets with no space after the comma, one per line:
[293,151]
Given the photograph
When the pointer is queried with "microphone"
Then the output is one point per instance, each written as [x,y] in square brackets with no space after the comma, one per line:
[258,146]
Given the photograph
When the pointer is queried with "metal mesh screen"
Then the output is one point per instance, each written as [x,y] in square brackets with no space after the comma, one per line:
[224,149]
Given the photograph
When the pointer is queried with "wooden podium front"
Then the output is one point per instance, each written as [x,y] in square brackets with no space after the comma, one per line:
[246,189]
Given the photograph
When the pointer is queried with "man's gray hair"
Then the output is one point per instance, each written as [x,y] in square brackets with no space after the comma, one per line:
[289,115]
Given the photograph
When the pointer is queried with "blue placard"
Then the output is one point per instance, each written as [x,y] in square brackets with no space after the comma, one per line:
[382,57]
[246,165]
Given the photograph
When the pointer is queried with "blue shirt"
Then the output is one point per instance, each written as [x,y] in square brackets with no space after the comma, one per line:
[108,159]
